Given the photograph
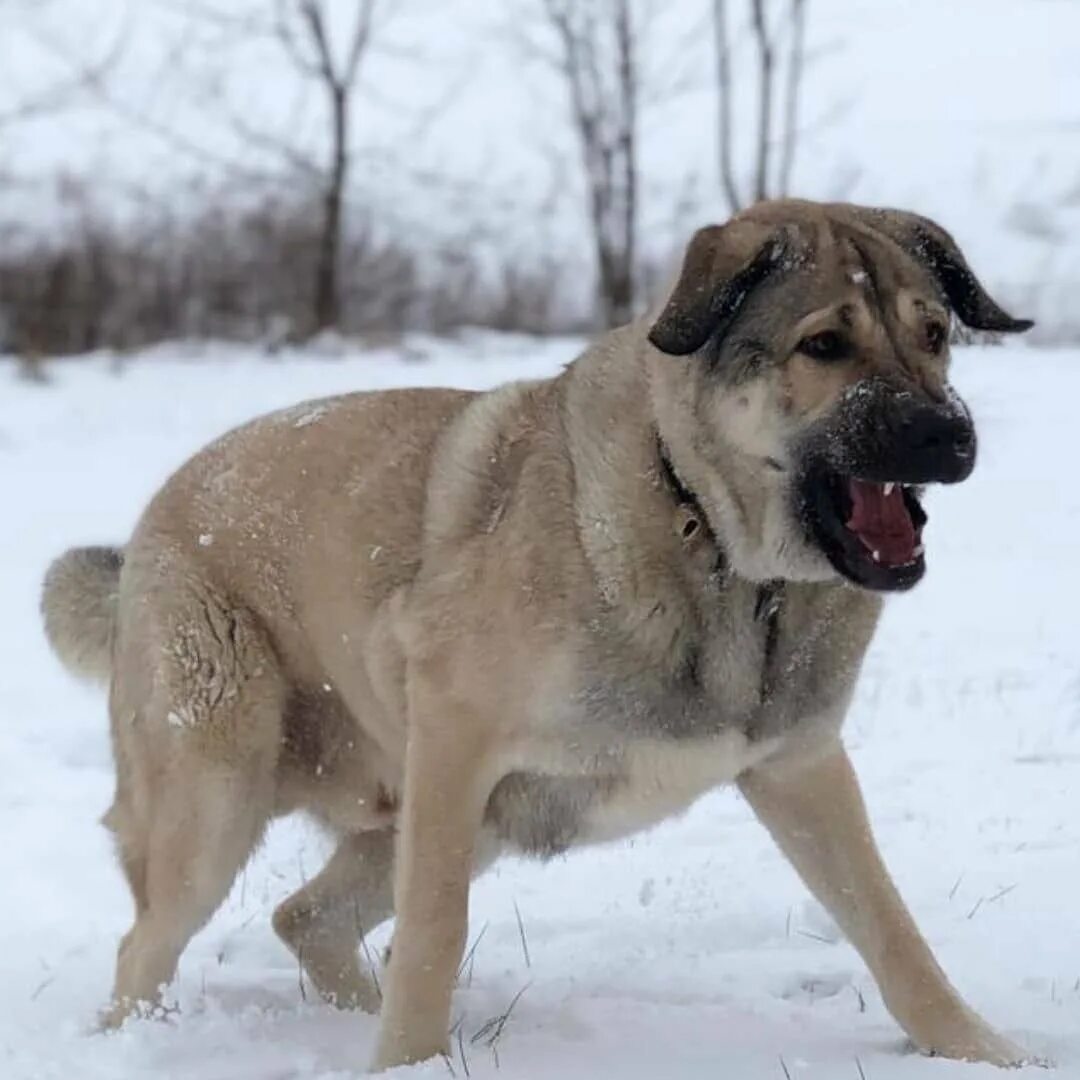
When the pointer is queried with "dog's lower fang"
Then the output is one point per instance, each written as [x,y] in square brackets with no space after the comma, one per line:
[882,521]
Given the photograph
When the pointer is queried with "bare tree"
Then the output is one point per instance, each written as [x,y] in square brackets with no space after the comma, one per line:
[302,28]
[766,180]
[596,54]
[321,55]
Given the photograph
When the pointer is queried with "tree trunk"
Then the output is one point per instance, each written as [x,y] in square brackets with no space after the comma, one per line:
[327,306]
[623,287]
[620,295]
[791,109]
[765,82]
[724,92]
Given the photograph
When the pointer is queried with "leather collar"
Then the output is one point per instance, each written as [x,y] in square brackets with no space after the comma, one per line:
[691,520]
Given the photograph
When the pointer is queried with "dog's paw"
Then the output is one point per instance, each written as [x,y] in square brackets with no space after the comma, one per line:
[977,1043]
[394,1052]
[117,1013]
[113,1016]
[360,995]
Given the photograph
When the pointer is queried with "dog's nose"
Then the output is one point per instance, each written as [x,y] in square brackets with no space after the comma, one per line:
[963,442]
[941,434]
[942,443]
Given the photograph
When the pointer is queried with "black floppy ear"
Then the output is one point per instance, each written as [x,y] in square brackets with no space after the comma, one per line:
[938,251]
[723,263]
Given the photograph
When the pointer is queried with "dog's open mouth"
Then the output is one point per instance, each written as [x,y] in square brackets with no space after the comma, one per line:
[888,519]
[870,531]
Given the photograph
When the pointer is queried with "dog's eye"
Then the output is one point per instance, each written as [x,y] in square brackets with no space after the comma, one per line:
[826,345]
[935,337]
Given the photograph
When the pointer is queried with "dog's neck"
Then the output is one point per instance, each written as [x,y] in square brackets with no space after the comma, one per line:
[744,497]
[693,526]
[650,530]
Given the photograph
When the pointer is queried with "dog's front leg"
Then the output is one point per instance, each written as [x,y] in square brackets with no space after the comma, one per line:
[443,803]
[815,812]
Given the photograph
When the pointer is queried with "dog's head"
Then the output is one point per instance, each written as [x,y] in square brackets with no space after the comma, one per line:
[804,384]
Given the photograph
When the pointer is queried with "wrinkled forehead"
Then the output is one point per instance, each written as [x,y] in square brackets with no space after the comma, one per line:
[858,275]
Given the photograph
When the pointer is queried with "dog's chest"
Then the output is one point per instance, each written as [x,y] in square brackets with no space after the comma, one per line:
[634,747]
[720,675]
[658,778]
[618,792]
[631,749]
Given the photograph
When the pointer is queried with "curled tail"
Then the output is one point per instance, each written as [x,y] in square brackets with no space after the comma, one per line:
[78,602]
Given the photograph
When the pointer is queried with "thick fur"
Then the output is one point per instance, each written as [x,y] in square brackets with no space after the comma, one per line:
[78,605]
[448,624]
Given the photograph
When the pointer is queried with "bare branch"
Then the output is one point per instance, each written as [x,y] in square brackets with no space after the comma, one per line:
[246,23]
[93,79]
[311,12]
[275,144]
[285,34]
[724,92]
[84,76]
[796,57]
[361,38]
[765,92]
[174,139]
[626,62]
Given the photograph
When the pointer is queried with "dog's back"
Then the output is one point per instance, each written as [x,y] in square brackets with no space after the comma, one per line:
[256,511]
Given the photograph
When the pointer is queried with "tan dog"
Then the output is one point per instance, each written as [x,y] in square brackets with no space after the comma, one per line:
[450,623]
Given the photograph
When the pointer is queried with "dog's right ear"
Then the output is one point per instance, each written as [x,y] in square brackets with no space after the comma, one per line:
[723,263]
[931,245]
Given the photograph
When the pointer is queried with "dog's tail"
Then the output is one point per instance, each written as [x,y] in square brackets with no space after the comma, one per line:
[78,602]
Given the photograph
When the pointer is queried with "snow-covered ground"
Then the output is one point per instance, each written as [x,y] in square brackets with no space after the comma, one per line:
[688,953]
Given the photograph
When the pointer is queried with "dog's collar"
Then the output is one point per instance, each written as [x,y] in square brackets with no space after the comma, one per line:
[692,524]
[690,520]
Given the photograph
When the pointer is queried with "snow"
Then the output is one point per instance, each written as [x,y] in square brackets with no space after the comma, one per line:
[688,953]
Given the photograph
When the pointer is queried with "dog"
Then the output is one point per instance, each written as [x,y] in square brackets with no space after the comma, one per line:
[450,624]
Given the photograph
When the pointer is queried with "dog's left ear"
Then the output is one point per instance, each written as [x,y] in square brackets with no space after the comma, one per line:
[935,248]
[723,263]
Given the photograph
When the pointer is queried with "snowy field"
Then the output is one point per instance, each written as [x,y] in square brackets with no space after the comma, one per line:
[689,953]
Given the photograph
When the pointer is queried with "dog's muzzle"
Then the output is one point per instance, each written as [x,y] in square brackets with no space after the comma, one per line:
[863,471]
[884,433]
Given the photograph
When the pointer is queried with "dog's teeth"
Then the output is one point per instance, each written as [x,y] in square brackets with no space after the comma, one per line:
[889,489]
[919,550]
[876,556]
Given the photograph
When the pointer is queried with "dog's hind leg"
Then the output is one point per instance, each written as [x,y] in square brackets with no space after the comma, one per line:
[196,760]
[325,921]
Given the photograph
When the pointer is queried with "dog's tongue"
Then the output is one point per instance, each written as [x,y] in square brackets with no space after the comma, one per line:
[882,522]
